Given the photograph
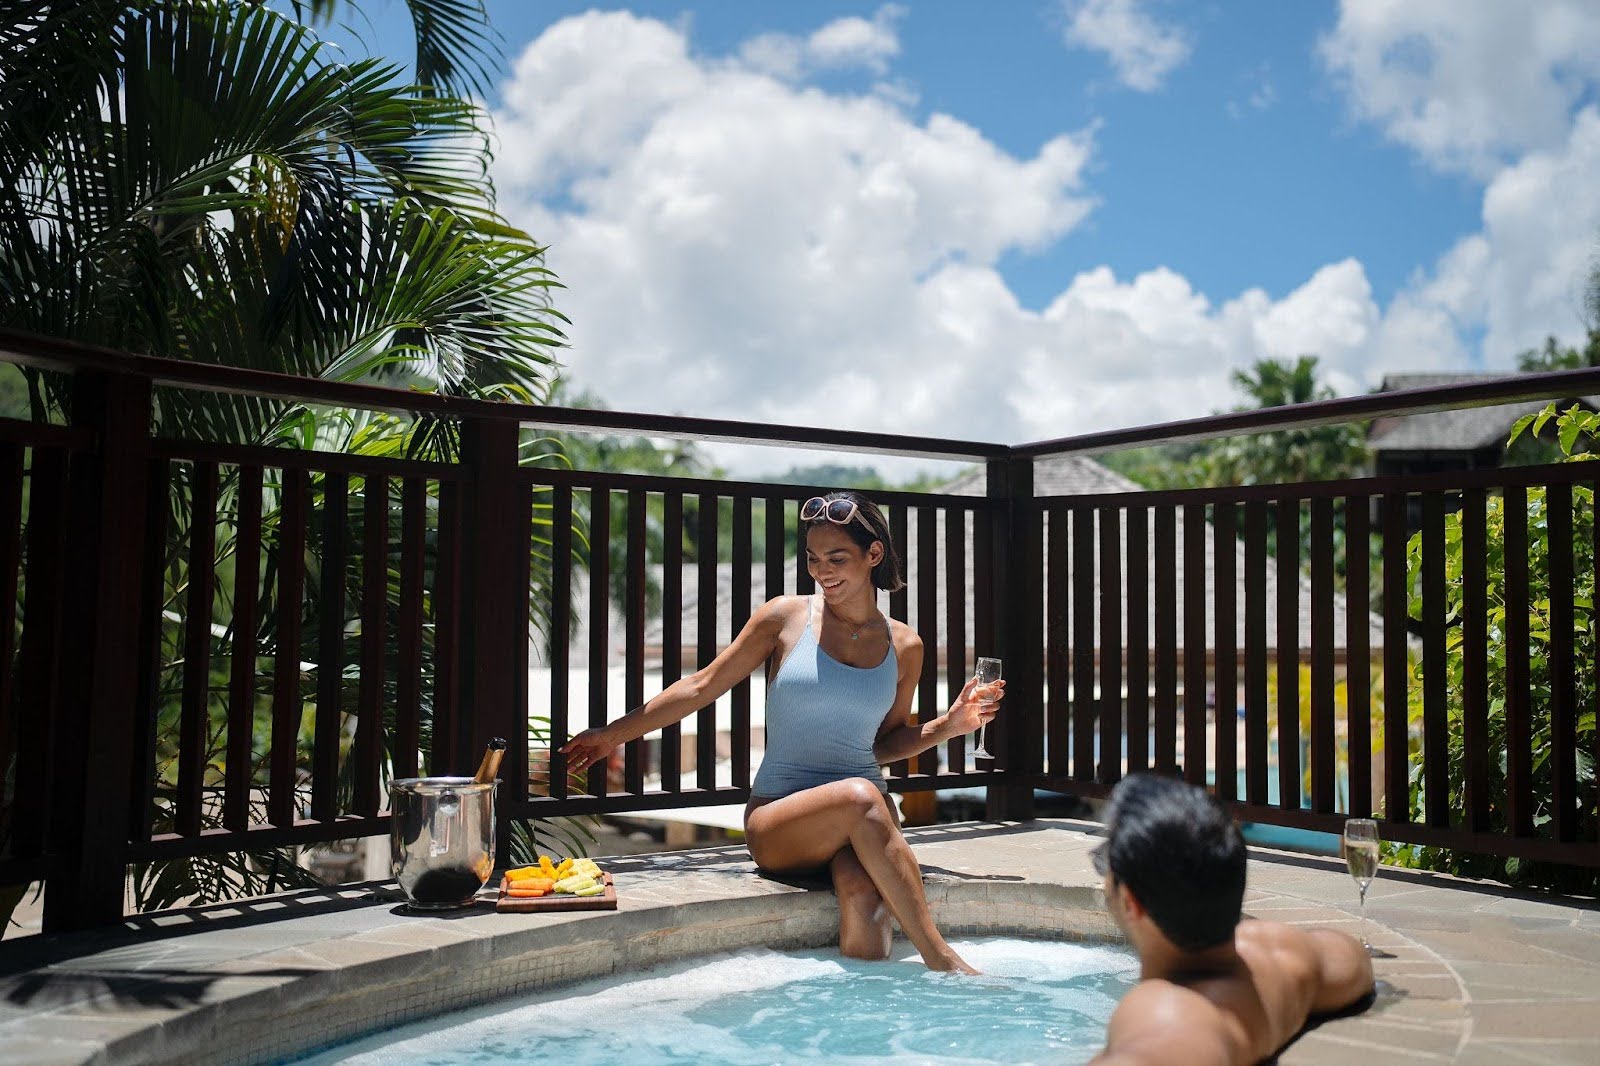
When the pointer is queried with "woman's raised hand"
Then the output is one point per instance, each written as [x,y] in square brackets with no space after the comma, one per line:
[586,749]
[975,706]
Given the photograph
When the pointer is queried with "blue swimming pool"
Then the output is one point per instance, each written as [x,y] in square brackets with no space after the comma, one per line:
[1037,1002]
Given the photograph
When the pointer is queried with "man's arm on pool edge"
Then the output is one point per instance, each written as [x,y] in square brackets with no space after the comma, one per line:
[1158,1023]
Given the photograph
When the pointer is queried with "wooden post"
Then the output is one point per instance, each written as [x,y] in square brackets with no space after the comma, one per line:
[1015,583]
[100,661]
[491,616]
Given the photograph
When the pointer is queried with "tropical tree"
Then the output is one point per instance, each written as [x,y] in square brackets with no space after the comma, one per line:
[1285,456]
[213,181]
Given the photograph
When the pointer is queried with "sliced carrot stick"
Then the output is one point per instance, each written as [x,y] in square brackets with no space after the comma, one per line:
[543,883]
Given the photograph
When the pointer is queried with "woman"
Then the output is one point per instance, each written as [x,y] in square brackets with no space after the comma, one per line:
[841,677]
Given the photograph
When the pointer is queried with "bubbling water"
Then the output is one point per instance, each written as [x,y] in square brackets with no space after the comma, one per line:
[1038,1001]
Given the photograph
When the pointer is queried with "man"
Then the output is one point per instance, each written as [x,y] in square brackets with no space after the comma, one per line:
[1212,989]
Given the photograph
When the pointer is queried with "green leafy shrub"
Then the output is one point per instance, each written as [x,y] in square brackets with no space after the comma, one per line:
[1577,430]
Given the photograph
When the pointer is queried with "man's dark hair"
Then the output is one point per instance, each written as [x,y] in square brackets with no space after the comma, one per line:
[1180,855]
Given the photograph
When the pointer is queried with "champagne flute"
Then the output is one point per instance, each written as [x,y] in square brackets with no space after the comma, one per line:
[1361,856]
[987,673]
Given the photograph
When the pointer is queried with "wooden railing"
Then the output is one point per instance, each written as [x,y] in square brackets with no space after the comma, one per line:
[212,648]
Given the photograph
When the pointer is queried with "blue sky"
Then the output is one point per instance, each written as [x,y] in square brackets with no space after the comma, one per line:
[1030,219]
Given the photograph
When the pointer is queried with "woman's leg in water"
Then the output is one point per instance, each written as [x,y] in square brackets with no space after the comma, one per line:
[807,829]
[864,930]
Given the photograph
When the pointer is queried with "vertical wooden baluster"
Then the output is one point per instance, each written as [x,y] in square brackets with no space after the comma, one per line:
[444,758]
[706,639]
[242,668]
[983,594]
[1225,555]
[515,772]
[1435,710]
[1323,755]
[34,819]
[1138,727]
[776,555]
[900,600]
[739,741]
[1563,687]
[672,633]
[408,650]
[1194,643]
[599,625]
[1083,643]
[330,649]
[1166,614]
[192,731]
[633,626]
[152,596]
[1475,659]
[928,628]
[1520,800]
[955,622]
[1255,653]
[1110,750]
[367,751]
[10,569]
[1358,651]
[1396,741]
[1058,645]
[287,700]
[1023,734]
[560,634]
[1288,544]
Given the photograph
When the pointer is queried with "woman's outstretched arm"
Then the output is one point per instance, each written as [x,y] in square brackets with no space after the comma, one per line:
[899,738]
[752,647]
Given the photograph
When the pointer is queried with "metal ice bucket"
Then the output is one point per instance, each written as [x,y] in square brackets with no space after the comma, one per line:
[442,832]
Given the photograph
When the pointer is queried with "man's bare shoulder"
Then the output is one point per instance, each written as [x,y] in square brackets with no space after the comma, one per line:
[1258,934]
[1160,1022]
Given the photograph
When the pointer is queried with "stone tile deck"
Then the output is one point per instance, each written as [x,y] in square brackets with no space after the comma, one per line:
[1475,973]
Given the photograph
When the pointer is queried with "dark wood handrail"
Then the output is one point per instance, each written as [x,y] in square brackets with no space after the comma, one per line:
[51,353]
[1513,388]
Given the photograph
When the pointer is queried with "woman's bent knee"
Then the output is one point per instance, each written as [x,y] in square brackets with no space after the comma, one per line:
[861,793]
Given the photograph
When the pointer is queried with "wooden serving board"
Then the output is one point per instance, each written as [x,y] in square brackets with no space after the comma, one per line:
[605,901]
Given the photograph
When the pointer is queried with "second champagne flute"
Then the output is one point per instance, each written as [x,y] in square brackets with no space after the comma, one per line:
[1361,857]
[987,673]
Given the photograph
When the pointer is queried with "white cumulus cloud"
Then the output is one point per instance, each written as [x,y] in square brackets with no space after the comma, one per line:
[844,43]
[742,244]
[1470,86]
[1142,50]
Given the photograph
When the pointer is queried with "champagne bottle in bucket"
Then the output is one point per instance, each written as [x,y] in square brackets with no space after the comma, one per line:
[443,832]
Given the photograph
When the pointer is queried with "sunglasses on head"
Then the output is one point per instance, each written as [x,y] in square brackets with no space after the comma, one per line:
[839,512]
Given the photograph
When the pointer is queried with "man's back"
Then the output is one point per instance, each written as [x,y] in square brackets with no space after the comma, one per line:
[1247,1006]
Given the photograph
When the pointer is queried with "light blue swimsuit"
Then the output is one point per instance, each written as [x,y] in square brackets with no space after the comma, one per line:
[822,719]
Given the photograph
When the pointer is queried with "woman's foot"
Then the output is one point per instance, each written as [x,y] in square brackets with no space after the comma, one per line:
[949,962]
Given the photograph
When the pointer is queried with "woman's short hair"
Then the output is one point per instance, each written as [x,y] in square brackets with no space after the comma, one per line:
[1180,855]
[889,575]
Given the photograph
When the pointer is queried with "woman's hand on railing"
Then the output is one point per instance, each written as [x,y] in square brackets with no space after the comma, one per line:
[587,748]
[975,706]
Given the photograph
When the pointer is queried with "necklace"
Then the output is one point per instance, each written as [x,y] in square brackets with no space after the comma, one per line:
[844,621]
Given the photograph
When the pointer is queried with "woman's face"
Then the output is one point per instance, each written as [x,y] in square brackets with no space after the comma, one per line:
[838,565]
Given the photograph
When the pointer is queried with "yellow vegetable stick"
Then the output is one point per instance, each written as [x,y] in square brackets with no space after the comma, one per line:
[524,871]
